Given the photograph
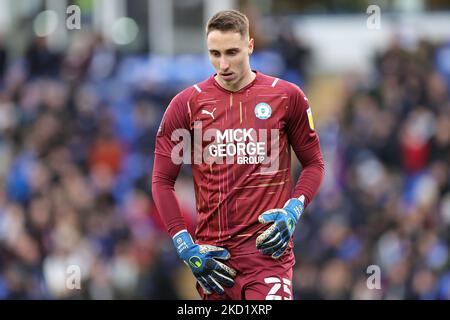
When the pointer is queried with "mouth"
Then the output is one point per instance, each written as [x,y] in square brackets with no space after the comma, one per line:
[227,76]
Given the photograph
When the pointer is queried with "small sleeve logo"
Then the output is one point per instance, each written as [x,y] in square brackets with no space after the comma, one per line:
[161,129]
[310,118]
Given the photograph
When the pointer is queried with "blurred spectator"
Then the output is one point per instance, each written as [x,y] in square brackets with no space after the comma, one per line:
[295,54]
[41,61]
[104,59]
[3,59]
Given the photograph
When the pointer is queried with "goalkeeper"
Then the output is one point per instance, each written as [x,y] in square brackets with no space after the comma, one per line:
[247,208]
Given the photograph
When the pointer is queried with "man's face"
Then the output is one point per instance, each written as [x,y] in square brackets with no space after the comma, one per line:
[229,54]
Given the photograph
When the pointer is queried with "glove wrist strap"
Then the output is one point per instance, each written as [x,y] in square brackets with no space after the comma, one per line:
[182,241]
[296,206]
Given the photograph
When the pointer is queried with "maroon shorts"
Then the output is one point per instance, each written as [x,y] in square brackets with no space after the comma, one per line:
[259,277]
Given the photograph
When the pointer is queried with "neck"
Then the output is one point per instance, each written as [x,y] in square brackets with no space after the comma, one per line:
[245,80]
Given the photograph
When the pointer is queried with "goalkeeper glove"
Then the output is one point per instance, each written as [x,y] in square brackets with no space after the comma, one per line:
[275,239]
[210,273]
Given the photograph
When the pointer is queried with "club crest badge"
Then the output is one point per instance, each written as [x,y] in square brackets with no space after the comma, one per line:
[263,111]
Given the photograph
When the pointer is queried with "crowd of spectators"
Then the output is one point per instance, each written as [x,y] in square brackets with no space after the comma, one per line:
[385,202]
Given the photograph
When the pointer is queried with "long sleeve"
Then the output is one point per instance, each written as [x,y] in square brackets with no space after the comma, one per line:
[312,173]
[167,164]
[306,145]
[164,176]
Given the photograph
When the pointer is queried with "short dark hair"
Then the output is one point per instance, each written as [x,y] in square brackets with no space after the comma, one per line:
[228,20]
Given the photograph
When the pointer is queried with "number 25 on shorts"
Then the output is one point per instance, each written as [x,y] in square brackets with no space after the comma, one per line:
[274,293]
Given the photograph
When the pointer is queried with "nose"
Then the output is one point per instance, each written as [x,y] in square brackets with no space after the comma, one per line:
[224,64]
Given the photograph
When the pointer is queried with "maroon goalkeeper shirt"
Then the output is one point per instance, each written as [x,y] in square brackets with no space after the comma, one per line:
[239,147]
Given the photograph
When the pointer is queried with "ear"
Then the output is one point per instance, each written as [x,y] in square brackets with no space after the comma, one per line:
[251,46]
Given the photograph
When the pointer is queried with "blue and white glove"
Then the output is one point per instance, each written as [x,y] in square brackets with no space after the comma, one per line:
[202,259]
[275,239]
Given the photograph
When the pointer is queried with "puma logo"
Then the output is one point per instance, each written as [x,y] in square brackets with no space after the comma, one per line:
[210,113]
